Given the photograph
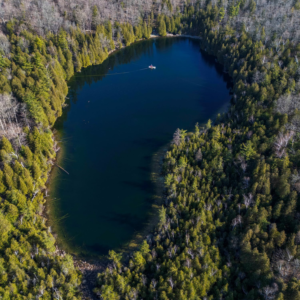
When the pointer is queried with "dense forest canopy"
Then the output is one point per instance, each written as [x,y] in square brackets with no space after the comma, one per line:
[229,226]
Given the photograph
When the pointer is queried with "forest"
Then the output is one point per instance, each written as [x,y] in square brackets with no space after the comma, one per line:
[229,225]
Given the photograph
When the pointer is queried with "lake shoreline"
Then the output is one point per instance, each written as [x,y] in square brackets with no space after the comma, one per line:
[157,179]
[89,267]
[170,35]
[60,244]
[155,36]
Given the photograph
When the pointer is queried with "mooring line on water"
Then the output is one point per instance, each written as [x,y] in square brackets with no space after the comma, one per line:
[113,73]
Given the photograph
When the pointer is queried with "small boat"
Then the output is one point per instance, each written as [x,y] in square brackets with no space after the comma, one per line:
[152,67]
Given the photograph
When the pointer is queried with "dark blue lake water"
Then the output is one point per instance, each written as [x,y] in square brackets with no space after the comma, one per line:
[120,114]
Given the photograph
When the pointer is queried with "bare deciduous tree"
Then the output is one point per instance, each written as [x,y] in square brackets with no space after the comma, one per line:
[177,137]
[269,292]
[198,155]
[10,127]
[248,200]
[281,143]
[171,282]
[236,221]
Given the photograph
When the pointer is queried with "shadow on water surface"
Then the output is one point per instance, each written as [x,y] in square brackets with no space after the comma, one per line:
[113,130]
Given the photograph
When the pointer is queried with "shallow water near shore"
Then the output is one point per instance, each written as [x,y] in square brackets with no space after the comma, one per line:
[120,115]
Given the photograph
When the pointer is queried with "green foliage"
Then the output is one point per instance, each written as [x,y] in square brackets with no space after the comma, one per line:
[208,125]
[35,108]
[252,6]
[162,29]
[247,150]
[128,33]
[144,248]
[162,216]
[115,257]
[221,13]
[139,259]
[27,245]
[231,201]
[234,9]
[4,62]
[107,293]
[95,16]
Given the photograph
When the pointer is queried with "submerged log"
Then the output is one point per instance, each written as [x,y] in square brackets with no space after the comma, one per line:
[61,168]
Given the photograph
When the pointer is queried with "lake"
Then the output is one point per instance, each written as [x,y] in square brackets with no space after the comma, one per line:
[119,115]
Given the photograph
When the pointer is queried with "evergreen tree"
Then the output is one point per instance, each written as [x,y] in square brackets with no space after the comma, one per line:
[162,27]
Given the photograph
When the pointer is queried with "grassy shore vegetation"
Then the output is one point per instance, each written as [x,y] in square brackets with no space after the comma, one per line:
[229,228]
